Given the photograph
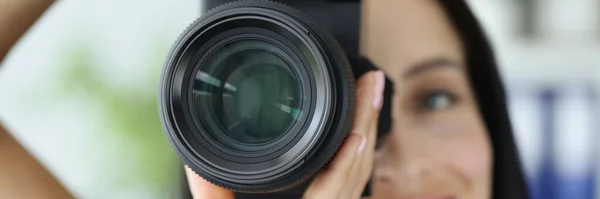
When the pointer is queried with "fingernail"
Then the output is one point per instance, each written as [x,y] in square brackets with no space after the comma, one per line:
[363,142]
[379,86]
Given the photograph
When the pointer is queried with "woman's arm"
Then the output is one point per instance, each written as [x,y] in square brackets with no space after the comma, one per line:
[16,16]
[21,175]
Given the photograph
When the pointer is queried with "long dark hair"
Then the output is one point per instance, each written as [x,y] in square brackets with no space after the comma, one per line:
[508,180]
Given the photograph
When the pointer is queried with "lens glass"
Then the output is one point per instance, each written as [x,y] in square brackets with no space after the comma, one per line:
[248,92]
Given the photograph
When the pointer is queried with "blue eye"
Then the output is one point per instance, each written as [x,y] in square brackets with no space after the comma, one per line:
[436,100]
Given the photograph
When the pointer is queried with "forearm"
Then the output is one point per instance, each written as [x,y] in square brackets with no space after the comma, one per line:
[21,176]
[16,16]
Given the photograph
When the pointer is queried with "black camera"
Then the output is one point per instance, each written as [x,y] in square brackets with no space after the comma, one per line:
[257,96]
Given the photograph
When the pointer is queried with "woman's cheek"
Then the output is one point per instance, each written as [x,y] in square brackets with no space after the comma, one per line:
[461,139]
[463,145]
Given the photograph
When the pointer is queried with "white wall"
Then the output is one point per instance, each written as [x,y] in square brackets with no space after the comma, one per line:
[567,52]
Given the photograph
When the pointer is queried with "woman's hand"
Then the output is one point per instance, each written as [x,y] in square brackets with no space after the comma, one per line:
[348,173]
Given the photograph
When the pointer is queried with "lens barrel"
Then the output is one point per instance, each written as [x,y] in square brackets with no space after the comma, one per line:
[255,97]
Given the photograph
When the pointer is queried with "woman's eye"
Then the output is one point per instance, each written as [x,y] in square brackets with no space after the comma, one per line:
[436,101]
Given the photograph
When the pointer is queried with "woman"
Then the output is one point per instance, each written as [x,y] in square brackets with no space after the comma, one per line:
[450,135]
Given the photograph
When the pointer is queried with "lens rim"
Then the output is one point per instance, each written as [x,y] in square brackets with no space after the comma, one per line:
[221,164]
[330,58]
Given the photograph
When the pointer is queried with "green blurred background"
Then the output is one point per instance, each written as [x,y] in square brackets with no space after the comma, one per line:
[82,87]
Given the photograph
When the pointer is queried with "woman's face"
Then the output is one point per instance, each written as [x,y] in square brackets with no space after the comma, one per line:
[438,145]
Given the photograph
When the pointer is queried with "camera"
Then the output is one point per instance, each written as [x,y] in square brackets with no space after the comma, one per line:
[258,96]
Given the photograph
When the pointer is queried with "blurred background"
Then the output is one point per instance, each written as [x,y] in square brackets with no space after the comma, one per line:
[82,90]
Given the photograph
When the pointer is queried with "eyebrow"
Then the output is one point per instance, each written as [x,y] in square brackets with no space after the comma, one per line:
[429,65]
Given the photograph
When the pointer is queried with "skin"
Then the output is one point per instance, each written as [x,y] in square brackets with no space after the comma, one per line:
[437,147]
[16,16]
[21,175]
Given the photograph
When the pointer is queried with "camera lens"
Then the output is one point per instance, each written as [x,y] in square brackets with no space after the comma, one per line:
[255,97]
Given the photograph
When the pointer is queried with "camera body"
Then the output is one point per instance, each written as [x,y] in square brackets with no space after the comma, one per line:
[341,18]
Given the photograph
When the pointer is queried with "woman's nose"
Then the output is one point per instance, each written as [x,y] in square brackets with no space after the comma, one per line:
[408,157]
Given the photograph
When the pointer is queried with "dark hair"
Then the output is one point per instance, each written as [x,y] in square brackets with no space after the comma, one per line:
[508,180]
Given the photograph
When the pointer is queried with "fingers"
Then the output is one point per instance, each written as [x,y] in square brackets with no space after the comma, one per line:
[341,180]
[329,183]
[368,101]
[369,98]
[202,189]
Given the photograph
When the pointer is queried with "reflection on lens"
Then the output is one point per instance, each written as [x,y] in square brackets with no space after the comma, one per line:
[251,93]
